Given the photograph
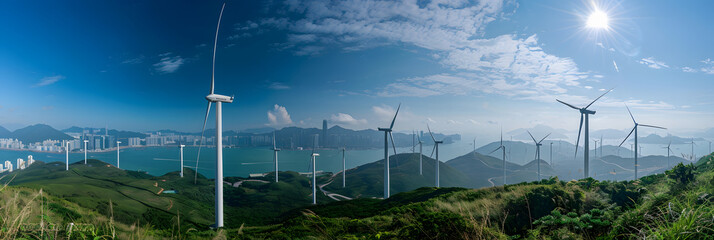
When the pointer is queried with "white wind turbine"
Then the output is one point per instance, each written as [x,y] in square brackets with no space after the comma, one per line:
[118,142]
[436,163]
[503,148]
[537,153]
[275,157]
[181,146]
[387,136]
[634,129]
[85,151]
[343,168]
[66,162]
[218,99]
[584,113]
[669,150]
[314,171]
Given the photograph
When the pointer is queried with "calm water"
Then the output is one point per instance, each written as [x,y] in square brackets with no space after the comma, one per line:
[237,161]
[243,161]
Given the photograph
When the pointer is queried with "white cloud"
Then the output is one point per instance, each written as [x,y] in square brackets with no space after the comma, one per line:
[49,80]
[278,86]
[709,69]
[689,70]
[279,116]
[346,119]
[169,64]
[136,60]
[652,63]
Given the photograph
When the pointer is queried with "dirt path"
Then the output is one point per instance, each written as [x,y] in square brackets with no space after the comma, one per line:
[237,184]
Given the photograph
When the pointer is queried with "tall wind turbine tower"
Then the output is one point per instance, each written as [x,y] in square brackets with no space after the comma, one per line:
[596,148]
[212,97]
[118,142]
[181,146]
[436,147]
[85,151]
[66,163]
[634,129]
[387,136]
[275,157]
[537,153]
[343,168]
[551,154]
[314,172]
[503,148]
[669,150]
[584,114]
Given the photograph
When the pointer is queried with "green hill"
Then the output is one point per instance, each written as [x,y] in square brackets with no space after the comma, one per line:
[368,180]
[39,133]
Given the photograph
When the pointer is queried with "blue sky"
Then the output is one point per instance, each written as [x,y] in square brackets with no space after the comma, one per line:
[461,66]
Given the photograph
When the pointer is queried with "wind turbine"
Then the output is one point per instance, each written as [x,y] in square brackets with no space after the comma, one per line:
[314,172]
[634,129]
[584,114]
[502,147]
[85,151]
[436,147]
[275,157]
[118,142]
[343,168]
[218,99]
[413,141]
[669,150]
[181,146]
[66,163]
[601,142]
[387,135]
[537,153]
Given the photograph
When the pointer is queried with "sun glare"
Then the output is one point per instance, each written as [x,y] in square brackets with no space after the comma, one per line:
[598,19]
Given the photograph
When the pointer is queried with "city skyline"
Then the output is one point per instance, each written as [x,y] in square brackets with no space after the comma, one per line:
[461,67]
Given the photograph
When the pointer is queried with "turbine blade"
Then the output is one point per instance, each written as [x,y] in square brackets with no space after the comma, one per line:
[395,117]
[547,136]
[577,141]
[215,43]
[567,104]
[628,110]
[432,135]
[203,130]
[529,133]
[273,140]
[494,150]
[432,151]
[644,125]
[628,135]
[586,107]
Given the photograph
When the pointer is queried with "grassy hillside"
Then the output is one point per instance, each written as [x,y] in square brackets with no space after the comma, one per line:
[487,171]
[139,197]
[368,180]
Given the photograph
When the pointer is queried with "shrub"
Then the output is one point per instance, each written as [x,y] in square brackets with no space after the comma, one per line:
[682,174]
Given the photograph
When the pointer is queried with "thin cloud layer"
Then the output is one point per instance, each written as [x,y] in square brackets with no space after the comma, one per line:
[168,63]
[49,80]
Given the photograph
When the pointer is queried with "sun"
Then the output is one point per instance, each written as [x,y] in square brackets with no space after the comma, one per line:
[598,20]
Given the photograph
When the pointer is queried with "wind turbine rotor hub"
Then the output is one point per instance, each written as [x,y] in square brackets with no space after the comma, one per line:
[385,129]
[219,98]
[585,111]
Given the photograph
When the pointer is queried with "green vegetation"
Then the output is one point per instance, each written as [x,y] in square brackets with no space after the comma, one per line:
[675,205]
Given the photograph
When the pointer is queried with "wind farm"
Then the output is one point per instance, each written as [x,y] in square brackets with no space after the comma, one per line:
[349,89]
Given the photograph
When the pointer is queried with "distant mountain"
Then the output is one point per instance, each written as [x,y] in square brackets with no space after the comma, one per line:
[73,129]
[487,171]
[258,130]
[656,139]
[39,133]
[368,180]
[539,131]
[126,134]
[4,133]
[523,152]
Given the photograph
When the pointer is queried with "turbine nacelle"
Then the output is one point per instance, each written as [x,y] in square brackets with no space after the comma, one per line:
[586,111]
[219,98]
[385,129]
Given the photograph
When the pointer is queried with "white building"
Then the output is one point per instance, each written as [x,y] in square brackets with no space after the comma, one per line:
[30,160]
[8,166]
[134,141]
[20,164]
